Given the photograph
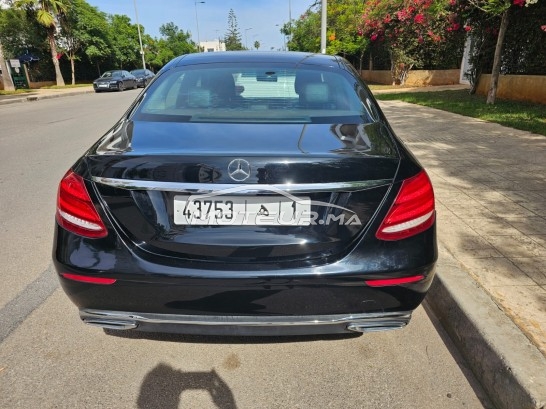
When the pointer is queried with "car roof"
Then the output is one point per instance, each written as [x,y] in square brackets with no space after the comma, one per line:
[287,57]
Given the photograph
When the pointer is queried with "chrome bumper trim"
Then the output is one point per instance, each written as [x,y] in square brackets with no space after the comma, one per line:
[204,188]
[351,323]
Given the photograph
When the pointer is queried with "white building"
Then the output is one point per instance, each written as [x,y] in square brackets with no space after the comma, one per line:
[212,46]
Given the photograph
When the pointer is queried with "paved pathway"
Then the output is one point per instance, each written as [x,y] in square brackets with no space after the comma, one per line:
[490,185]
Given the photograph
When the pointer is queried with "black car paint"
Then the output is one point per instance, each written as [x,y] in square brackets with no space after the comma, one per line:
[266,283]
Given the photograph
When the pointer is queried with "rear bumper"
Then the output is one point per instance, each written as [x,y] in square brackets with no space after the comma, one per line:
[277,299]
[245,325]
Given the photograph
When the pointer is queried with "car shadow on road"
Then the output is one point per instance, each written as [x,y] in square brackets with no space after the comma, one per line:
[459,360]
[164,387]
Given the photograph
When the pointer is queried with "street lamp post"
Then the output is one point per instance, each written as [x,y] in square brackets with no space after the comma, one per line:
[283,36]
[219,42]
[246,37]
[197,24]
[139,37]
[323,27]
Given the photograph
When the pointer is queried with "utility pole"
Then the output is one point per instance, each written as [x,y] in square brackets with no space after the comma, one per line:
[197,24]
[323,27]
[139,37]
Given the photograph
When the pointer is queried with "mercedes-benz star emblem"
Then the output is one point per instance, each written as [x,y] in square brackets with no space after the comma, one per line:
[239,170]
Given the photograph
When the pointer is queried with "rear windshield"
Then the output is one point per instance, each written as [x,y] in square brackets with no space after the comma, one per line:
[255,94]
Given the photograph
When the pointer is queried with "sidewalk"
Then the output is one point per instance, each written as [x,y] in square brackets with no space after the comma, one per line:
[490,186]
[39,94]
[490,288]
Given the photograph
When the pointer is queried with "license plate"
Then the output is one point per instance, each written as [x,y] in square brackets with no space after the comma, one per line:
[242,210]
[103,85]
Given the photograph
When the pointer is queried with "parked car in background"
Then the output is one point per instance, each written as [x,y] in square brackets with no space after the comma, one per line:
[248,193]
[143,76]
[116,80]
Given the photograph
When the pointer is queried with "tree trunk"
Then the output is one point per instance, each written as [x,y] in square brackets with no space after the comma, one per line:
[72,68]
[6,77]
[53,48]
[492,94]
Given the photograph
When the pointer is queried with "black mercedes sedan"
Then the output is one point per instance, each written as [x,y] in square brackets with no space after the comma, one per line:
[248,193]
[117,80]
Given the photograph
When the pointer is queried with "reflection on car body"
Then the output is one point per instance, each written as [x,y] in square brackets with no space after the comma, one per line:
[143,76]
[248,194]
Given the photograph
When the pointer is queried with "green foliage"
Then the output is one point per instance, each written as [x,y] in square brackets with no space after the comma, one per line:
[343,37]
[232,38]
[46,10]
[524,49]
[20,33]
[343,20]
[46,13]
[174,42]
[85,33]
[525,41]
[304,33]
[124,39]
[520,115]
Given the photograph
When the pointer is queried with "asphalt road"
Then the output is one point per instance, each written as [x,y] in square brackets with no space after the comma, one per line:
[48,358]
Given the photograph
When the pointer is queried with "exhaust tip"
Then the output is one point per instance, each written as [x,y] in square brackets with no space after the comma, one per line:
[111,324]
[379,324]
[375,327]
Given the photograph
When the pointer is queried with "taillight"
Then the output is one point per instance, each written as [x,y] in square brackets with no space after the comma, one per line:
[89,279]
[412,211]
[75,210]
[395,281]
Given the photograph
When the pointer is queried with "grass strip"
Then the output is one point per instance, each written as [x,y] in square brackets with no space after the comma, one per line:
[514,114]
[67,86]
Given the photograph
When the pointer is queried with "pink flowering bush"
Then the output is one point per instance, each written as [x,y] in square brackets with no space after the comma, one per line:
[411,30]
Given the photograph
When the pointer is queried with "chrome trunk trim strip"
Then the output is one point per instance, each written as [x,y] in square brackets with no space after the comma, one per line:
[204,188]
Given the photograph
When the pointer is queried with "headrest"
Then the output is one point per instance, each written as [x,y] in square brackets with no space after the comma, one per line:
[306,77]
[317,93]
[199,98]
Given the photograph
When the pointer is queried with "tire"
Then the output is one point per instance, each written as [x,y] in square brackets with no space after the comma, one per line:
[121,87]
[135,85]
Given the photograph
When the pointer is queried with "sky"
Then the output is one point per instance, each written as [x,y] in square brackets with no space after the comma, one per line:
[256,19]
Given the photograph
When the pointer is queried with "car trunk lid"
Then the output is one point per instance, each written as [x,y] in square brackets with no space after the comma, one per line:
[340,174]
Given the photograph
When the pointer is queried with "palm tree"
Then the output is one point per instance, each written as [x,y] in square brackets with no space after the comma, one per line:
[8,83]
[46,13]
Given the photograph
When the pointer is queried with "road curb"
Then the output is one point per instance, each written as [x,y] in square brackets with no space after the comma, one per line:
[511,369]
[32,98]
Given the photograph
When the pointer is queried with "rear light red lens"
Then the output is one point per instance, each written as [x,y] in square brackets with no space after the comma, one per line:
[394,281]
[89,279]
[75,210]
[412,211]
